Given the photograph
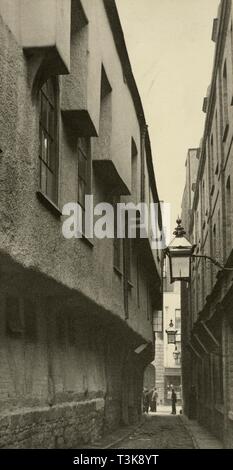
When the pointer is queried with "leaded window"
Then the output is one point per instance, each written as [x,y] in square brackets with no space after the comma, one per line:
[48,154]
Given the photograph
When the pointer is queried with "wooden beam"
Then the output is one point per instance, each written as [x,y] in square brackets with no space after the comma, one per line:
[194,350]
[201,344]
[209,333]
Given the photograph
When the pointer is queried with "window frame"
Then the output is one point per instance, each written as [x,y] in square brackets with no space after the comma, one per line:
[87,154]
[45,98]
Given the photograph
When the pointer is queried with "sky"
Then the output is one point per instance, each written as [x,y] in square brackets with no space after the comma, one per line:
[171,53]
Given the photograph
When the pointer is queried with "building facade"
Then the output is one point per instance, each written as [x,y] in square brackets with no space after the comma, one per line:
[168,356]
[76,314]
[207,210]
[172,352]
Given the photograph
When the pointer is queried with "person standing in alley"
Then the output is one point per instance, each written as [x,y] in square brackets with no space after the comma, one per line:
[173,397]
[154,399]
[146,400]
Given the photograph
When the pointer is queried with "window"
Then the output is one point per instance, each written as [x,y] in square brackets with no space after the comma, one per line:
[14,320]
[225,101]
[212,159]
[214,254]
[203,201]
[117,242]
[49,140]
[127,247]
[228,215]
[158,321]
[134,184]
[84,170]
[216,143]
[177,319]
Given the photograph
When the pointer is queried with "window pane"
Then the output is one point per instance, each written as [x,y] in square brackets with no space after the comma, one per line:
[48,140]
[44,114]
[51,185]
[181,267]
[51,157]
[177,319]
[43,178]
[50,91]
[51,121]
[44,147]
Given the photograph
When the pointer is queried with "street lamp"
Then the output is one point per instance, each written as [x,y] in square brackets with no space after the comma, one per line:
[180,252]
[176,354]
[171,333]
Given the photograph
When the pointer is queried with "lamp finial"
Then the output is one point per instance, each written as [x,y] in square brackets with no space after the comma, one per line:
[179,230]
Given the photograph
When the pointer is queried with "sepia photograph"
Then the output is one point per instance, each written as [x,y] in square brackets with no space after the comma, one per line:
[116,231]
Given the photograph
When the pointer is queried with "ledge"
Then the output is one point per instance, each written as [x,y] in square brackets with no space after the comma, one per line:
[80,121]
[44,33]
[107,172]
[50,205]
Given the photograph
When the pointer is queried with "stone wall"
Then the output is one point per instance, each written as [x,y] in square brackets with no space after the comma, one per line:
[66,378]
[62,426]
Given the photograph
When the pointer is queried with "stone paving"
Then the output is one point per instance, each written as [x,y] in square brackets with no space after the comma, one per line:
[202,439]
[159,431]
[162,430]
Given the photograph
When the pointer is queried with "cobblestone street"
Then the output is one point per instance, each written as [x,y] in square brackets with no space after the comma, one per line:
[160,431]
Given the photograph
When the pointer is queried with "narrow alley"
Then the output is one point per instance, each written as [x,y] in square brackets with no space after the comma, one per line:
[162,430]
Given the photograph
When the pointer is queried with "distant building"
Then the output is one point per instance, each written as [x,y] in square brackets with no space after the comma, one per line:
[172,365]
[207,214]
[168,356]
[76,315]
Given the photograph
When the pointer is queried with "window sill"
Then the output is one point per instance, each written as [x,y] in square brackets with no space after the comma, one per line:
[118,271]
[225,133]
[50,205]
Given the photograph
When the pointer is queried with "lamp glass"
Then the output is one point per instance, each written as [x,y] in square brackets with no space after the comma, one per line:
[171,337]
[180,267]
